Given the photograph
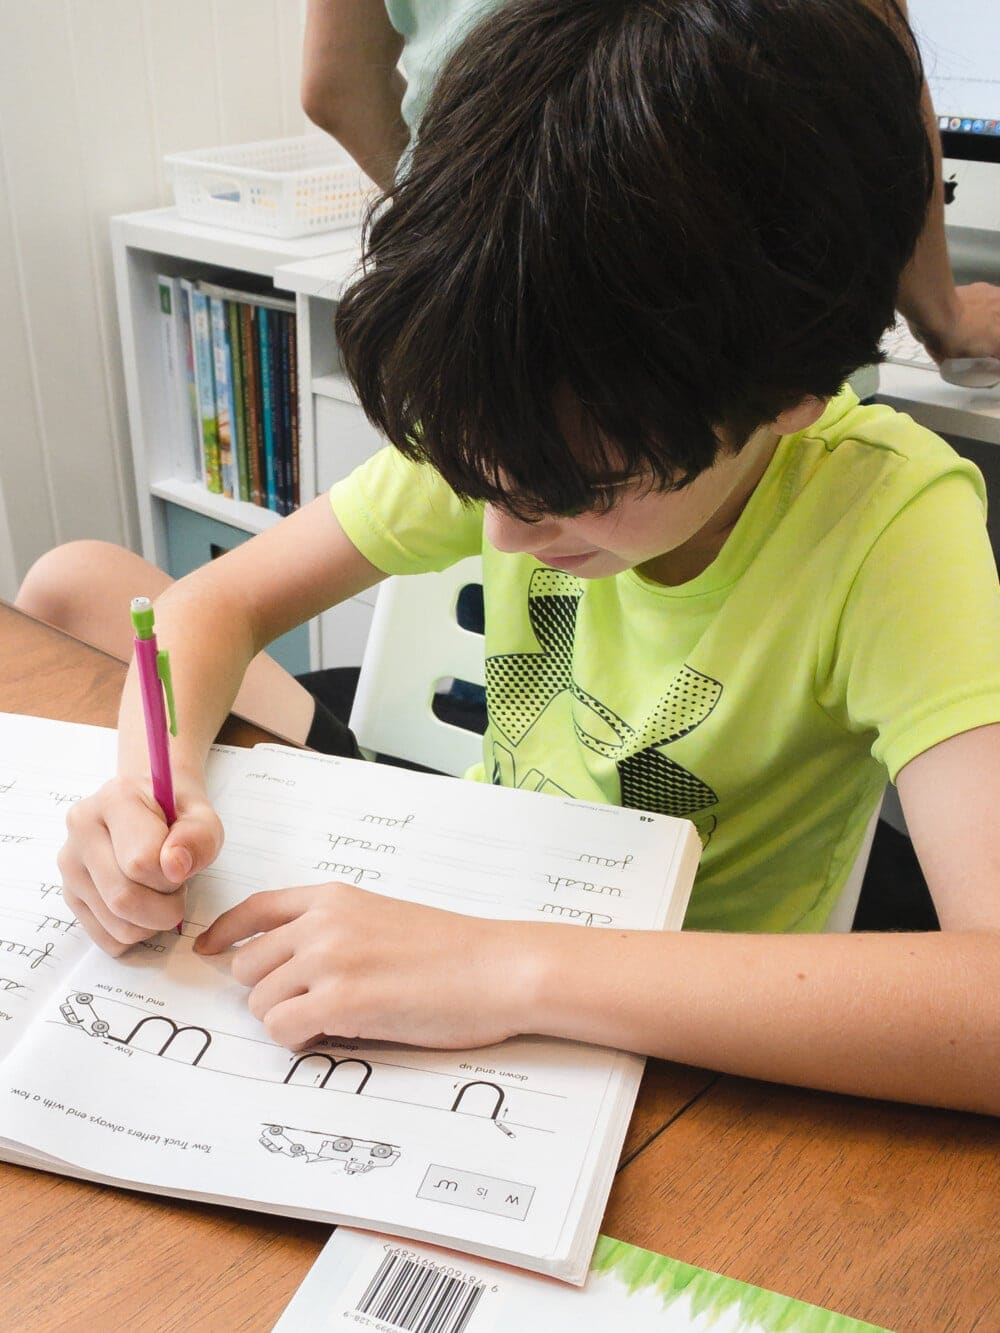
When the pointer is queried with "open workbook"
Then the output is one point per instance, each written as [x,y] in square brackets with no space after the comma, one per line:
[148,1071]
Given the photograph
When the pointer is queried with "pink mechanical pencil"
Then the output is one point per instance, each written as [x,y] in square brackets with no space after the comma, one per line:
[155,682]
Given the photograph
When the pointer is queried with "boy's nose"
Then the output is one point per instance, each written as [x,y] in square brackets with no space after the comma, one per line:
[505,532]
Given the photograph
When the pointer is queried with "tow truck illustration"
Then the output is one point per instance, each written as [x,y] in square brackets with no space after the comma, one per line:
[80,1011]
[354,1156]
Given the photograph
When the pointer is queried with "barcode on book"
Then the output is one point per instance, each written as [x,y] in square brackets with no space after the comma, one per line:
[420,1298]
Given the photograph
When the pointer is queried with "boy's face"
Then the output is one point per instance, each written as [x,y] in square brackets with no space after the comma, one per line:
[659,531]
[670,536]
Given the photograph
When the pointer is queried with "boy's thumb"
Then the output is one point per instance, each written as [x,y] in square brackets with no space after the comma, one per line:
[191,845]
[176,862]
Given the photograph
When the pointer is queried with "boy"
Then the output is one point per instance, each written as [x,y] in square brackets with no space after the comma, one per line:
[639,248]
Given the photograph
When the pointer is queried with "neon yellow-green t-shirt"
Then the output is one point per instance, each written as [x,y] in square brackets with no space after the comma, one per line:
[850,622]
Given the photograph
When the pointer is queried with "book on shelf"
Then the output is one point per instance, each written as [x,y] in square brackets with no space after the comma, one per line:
[293,393]
[238,398]
[251,389]
[225,413]
[266,341]
[369,1281]
[149,1072]
[174,363]
[204,368]
[284,405]
[272,387]
[193,434]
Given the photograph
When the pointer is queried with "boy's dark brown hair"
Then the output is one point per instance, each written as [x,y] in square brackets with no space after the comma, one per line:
[686,214]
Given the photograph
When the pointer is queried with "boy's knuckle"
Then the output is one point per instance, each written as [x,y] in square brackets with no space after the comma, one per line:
[136,865]
[121,901]
[321,954]
[124,933]
[78,815]
[274,1027]
[67,862]
[240,968]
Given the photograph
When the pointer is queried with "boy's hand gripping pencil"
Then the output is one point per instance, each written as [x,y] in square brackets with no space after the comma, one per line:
[155,682]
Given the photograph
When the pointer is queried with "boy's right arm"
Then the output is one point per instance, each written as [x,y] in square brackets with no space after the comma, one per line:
[121,871]
[351,86]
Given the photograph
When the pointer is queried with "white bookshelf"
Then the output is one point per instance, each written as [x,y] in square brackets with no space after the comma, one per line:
[333,432]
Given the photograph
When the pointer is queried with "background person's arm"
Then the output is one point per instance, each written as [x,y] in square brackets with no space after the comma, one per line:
[351,86]
[950,321]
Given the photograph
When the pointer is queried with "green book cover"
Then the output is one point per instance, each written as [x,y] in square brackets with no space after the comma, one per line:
[239,398]
[367,1280]
[205,383]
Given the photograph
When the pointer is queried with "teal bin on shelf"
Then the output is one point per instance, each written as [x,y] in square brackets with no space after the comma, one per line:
[193,540]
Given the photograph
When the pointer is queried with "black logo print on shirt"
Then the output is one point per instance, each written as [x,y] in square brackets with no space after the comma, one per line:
[521,686]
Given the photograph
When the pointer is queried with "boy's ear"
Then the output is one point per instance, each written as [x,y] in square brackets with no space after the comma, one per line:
[805,413]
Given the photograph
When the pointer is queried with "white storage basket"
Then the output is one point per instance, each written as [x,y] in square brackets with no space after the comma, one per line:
[279,187]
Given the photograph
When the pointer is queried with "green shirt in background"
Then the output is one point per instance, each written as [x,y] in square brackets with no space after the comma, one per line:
[430,29]
[850,622]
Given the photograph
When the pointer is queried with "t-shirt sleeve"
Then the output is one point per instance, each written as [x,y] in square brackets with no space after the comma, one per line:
[917,657]
[403,517]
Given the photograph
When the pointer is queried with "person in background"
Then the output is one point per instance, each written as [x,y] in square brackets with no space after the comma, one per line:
[352,88]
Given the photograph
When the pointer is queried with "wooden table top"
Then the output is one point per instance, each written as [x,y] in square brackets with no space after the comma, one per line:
[887,1213]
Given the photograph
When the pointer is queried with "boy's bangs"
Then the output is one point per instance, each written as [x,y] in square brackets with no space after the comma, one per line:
[527,465]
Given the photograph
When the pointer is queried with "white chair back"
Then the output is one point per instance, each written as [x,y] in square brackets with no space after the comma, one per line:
[415,643]
[842,917]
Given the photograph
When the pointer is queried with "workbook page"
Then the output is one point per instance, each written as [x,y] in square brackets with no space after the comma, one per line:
[45,767]
[150,1068]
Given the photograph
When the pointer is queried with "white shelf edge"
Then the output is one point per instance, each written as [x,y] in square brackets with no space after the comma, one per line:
[164,231]
[236,513]
[323,278]
[335,386]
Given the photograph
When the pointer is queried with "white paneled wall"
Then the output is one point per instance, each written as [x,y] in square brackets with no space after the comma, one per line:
[93,93]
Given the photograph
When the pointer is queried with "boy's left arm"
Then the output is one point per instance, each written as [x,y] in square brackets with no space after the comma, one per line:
[908,1017]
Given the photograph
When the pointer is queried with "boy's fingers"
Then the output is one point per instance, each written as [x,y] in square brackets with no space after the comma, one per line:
[96,931]
[296,1022]
[259,912]
[127,901]
[136,834]
[148,853]
[284,983]
[258,958]
[114,933]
